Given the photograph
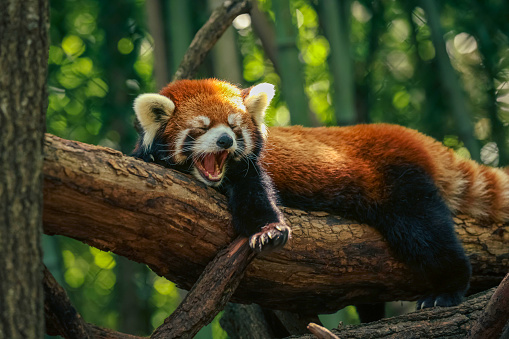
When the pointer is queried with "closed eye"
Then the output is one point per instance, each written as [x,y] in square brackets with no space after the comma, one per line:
[197,131]
[202,129]
[234,127]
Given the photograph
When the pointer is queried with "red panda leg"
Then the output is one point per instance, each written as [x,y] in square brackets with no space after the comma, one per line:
[252,203]
[419,229]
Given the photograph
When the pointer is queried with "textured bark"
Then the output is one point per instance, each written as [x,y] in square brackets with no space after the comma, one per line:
[210,293]
[438,322]
[495,315]
[176,225]
[23,98]
[220,19]
[61,317]
[453,322]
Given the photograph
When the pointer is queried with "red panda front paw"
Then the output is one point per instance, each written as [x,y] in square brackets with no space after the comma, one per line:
[443,300]
[271,237]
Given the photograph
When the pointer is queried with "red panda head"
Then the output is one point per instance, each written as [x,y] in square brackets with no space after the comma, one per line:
[200,126]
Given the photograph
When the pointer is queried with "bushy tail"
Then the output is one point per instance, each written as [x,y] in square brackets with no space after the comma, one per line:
[479,191]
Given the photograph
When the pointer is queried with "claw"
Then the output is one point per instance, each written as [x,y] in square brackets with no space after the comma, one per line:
[252,242]
[270,237]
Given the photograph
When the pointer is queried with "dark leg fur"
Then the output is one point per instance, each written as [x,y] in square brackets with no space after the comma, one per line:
[252,203]
[419,229]
[416,223]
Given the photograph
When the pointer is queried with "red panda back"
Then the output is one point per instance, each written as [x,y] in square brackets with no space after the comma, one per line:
[312,161]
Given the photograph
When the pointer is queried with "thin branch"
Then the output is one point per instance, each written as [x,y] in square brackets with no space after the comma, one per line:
[210,293]
[220,19]
[321,332]
[265,31]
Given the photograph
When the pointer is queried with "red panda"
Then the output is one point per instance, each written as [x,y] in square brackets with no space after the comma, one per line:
[403,183]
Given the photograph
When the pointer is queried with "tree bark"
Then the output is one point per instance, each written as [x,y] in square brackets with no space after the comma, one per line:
[495,316]
[210,293]
[23,100]
[438,322]
[176,225]
[448,322]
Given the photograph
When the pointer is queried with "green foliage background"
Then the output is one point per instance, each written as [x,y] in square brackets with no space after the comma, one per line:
[359,61]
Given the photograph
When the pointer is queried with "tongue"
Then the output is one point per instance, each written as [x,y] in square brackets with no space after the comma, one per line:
[213,162]
[209,164]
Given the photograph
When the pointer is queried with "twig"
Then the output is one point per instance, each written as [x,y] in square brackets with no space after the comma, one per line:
[210,294]
[321,332]
[220,19]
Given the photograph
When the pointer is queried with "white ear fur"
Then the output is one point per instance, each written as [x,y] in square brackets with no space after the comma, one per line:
[152,110]
[258,99]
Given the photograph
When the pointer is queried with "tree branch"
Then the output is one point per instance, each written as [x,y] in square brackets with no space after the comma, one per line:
[495,315]
[220,19]
[63,319]
[437,322]
[176,225]
[210,294]
[321,332]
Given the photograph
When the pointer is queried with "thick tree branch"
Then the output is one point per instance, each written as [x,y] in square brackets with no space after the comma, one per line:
[176,226]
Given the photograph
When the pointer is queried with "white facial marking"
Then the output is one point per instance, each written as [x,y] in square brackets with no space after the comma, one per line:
[179,144]
[200,121]
[207,143]
[248,141]
[234,119]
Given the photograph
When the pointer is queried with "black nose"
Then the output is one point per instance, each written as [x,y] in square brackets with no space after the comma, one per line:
[225,141]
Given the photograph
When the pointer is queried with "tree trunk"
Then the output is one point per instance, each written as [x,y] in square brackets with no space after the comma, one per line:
[334,19]
[459,108]
[290,67]
[176,226]
[23,100]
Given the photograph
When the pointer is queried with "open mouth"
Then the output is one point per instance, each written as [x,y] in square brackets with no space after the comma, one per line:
[211,166]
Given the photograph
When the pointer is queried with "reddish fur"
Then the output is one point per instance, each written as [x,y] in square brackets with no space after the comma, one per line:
[209,97]
[307,160]
[338,154]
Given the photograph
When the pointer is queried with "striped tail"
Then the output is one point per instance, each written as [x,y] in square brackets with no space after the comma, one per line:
[479,191]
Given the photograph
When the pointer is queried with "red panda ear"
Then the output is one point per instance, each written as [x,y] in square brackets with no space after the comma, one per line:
[152,110]
[258,100]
